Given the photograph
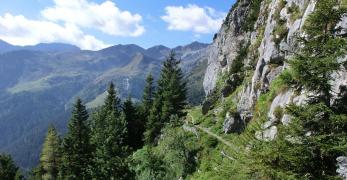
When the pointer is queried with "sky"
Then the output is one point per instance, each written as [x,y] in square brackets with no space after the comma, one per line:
[96,24]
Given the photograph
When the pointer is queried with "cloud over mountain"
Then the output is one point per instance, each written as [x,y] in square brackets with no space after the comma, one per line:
[201,20]
[106,17]
[67,21]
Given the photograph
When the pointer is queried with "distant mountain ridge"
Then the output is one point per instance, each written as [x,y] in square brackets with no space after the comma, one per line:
[38,85]
[44,47]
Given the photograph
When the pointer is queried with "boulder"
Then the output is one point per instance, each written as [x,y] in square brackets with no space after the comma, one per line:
[233,123]
[267,135]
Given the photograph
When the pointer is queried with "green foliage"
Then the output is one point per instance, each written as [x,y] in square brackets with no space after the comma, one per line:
[50,160]
[238,65]
[295,12]
[252,16]
[228,105]
[281,30]
[277,14]
[314,64]
[170,98]
[147,165]
[77,148]
[307,148]
[148,94]
[109,136]
[135,124]
[8,169]
[278,113]
[171,159]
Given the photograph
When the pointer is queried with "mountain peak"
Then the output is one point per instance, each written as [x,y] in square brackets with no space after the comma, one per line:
[194,46]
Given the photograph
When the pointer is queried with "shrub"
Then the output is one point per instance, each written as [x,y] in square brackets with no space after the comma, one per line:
[295,12]
[252,15]
[278,113]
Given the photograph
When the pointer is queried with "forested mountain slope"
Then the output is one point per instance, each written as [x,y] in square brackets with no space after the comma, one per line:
[38,85]
[275,106]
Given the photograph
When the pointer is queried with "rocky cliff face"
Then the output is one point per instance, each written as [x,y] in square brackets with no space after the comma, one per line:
[267,30]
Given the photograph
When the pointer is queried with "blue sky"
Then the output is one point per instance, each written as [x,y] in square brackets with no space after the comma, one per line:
[97,24]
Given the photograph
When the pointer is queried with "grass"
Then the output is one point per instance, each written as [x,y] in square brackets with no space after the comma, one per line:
[235,163]
[252,16]
[280,31]
[295,12]
[278,113]
[344,3]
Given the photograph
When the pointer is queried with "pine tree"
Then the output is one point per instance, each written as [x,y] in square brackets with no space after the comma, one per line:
[110,140]
[50,159]
[170,98]
[77,149]
[8,169]
[135,124]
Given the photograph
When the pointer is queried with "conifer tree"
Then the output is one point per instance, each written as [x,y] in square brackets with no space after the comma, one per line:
[135,124]
[100,123]
[77,149]
[50,159]
[148,94]
[169,100]
[320,49]
[110,140]
[316,136]
[8,169]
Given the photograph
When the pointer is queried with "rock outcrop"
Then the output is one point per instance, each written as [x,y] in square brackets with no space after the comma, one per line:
[270,43]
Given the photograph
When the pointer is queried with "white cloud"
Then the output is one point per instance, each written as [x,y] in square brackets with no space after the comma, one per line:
[193,18]
[22,31]
[106,17]
[67,21]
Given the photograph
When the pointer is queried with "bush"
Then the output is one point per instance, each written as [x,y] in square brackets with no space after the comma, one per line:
[252,15]
[278,113]
[295,12]
[280,32]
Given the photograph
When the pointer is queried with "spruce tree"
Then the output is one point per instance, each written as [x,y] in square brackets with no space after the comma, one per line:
[170,98]
[148,94]
[316,136]
[135,124]
[320,49]
[8,169]
[50,159]
[77,149]
[110,140]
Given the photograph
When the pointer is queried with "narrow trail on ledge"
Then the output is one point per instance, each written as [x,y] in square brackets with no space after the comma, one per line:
[219,138]
[216,136]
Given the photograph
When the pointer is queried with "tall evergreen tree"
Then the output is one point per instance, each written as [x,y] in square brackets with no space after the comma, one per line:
[320,49]
[135,124]
[50,159]
[309,145]
[148,94]
[77,149]
[109,138]
[100,123]
[169,100]
[8,169]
